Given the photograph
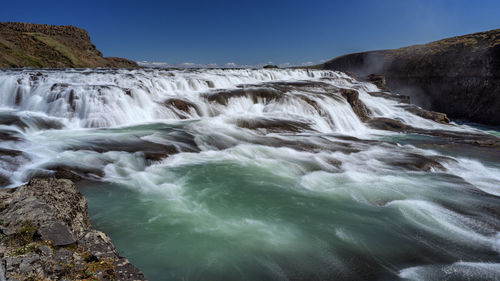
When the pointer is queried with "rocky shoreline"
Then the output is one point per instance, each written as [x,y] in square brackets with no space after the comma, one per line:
[45,234]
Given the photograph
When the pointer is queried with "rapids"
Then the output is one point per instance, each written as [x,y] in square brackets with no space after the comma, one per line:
[209,174]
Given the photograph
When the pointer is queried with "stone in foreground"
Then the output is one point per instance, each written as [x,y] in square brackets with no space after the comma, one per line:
[45,234]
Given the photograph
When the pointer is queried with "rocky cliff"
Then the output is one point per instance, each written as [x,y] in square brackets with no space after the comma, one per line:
[459,76]
[45,234]
[51,46]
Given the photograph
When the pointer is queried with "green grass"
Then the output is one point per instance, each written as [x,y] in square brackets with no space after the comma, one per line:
[60,48]
[13,57]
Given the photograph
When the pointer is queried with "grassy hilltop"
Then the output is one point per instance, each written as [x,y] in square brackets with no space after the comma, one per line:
[51,46]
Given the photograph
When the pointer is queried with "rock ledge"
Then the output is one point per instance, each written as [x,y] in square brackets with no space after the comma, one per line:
[45,234]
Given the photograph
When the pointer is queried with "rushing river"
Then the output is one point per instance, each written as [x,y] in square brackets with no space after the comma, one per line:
[259,174]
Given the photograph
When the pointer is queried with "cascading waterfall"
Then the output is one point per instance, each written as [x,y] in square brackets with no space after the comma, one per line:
[258,174]
[101,98]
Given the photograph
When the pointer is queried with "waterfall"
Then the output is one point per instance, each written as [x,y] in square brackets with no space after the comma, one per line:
[259,170]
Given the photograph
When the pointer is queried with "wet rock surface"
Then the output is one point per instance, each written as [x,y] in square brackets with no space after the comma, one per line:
[391,96]
[223,97]
[388,124]
[352,97]
[316,90]
[45,234]
[427,114]
[378,80]
[417,162]
[273,125]
[182,107]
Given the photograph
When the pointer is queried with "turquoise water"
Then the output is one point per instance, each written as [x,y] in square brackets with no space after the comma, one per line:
[234,220]
[490,129]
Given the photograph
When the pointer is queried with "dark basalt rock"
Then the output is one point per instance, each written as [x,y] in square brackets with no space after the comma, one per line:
[183,106]
[487,143]
[378,80]
[387,124]
[70,172]
[352,97]
[266,94]
[391,96]
[427,114]
[10,160]
[10,152]
[417,110]
[180,104]
[46,233]
[4,180]
[128,92]
[39,122]
[459,76]
[9,135]
[312,103]
[417,162]
[274,125]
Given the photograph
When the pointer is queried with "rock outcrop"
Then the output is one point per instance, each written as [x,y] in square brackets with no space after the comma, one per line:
[45,234]
[352,97]
[51,46]
[459,76]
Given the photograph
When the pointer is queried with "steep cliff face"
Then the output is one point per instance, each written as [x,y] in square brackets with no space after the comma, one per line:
[42,45]
[459,76]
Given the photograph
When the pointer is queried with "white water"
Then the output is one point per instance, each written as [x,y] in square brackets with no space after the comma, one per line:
[109,120]
[91,98]
[97,98]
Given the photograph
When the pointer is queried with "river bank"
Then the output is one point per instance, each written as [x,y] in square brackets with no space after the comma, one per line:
[45,234]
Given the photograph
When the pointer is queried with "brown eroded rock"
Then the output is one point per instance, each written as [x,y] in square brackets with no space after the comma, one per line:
[379,81]
[266,94]
[352,97]
[181,105]
[273,125]
[387,124]
[417,162]
[427,114]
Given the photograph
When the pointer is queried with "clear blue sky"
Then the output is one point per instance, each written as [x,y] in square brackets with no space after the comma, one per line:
[254,32]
